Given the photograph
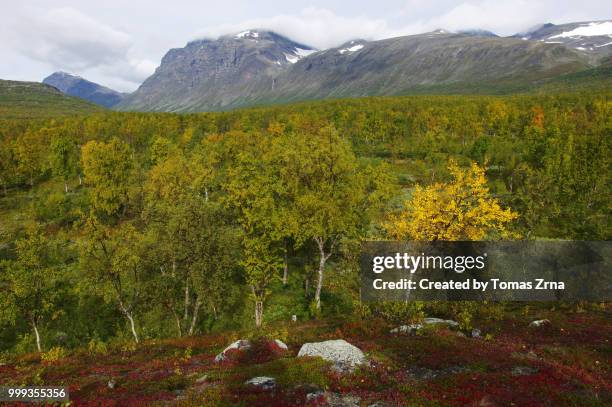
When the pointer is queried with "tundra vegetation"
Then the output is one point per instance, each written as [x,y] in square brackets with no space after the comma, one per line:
[157,233]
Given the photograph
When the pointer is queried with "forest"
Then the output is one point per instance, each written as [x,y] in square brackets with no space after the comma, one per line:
[131,226]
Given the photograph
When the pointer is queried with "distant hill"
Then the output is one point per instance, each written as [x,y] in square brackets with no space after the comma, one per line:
[33,99]
[82,88]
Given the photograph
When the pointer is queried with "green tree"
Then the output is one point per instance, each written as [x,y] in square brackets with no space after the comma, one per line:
[107,168]
[64,158]
[114,261]
[329,196]
[29,285]
[195,241]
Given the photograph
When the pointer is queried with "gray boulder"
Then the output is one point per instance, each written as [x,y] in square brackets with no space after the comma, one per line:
[436,321]
[315,395]
[406,329]
[538,323]
[263,382]
[342,400]
[342,354]
[241,344]
[281,344]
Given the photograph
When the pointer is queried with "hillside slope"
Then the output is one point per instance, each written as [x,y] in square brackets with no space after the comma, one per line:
[33,100]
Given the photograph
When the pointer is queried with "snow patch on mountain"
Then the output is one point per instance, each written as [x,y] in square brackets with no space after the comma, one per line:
[603,45]
[300,52]
[590,30]
[247,34]
[354,48]
[292,59]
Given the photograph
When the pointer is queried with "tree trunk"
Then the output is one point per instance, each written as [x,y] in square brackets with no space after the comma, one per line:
[306,286]
[37,336]
[322,259]
[194,317]
[130,318]
[80,180]
[319,285]
[285,266]
[178,324]
[258,313]
[186,304]
[65,187]
[132,326]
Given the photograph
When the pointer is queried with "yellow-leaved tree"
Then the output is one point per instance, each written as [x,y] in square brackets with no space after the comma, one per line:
[462,209]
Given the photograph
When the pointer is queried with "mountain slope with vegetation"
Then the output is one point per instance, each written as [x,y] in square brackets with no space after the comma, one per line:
[36,100]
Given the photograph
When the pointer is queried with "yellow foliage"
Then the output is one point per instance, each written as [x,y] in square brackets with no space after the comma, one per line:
[53,355]
[460,210]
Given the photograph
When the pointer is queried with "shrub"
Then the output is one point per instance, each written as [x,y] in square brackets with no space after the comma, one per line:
[53,355]
[97,347]
[398,312]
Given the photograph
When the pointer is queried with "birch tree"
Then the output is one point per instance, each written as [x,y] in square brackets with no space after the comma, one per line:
[330,196]
[29,285]
[112,258]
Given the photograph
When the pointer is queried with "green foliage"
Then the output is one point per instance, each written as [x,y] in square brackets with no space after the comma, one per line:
[399,312]
[53,355]
[186,221]
[97,347]
[31,100]
[107,169]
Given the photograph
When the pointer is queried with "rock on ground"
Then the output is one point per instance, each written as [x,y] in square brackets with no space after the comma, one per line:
[406,329]
[263,382]
[241,344]
[281,344]
[342,400]
[539,323]
[342,354]
[413,328]
[433,321]
[523,371]
[315,396]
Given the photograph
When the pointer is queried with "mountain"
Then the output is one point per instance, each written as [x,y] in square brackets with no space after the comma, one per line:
[594,37]
[478,33]
[214,74]
[33,99]
[82,88]
[426,62]
[257,67]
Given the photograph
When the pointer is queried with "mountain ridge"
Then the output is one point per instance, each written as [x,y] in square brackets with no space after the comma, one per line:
[77,86]
[259,67]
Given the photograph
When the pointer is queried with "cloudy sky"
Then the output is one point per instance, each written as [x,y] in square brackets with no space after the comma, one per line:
[118,43]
